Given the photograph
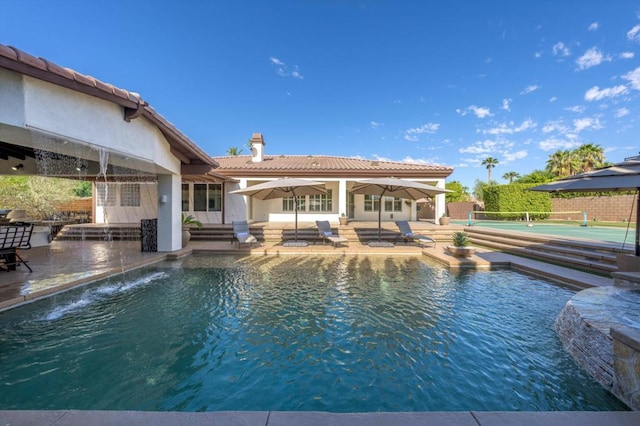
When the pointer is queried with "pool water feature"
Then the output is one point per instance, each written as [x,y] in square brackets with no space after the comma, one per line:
[321,333]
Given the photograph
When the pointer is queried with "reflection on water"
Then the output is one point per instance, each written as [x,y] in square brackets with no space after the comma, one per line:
[332,333]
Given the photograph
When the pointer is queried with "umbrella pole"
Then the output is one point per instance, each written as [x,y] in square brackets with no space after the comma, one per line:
[295,208]
[380,215]
[638,223]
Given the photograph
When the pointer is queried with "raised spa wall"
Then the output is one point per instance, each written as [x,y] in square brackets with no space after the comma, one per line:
[598,327]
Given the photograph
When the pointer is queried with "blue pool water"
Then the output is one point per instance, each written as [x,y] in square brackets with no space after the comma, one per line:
[341,334]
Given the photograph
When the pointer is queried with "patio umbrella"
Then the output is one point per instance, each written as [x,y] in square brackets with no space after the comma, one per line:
[281,188]
[394,187]
[624,176]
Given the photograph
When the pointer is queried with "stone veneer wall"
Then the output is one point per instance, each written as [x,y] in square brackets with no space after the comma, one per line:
[609,351]
[589,346]
[626,350]
[615,208]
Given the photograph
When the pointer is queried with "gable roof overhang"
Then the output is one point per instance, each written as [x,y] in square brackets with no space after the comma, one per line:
[133,105]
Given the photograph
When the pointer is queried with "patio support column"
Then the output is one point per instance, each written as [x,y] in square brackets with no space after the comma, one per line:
[342,197]
[169,206]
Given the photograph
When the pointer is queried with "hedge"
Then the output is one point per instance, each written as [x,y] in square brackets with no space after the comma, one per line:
[517,199]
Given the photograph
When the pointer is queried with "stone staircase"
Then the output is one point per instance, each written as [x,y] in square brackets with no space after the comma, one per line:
[589,256]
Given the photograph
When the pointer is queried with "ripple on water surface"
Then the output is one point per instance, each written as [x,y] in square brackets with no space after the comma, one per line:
[341,334]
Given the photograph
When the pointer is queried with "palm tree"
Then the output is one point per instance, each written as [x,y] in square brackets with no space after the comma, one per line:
[591,156]
[511,176]
[490,162]
[234,151]
[562,163]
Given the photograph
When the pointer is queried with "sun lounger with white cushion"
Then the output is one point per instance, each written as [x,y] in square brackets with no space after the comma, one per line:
[241,233]
[408,235]
[325,232]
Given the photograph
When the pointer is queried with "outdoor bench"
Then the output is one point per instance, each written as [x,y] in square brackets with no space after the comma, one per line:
[12,238]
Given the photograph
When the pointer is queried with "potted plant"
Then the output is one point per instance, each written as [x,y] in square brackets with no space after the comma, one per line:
[444,220]
[343,219]
[187,222]
[460,246]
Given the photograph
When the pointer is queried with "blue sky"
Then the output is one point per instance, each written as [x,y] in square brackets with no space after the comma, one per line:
[443,82]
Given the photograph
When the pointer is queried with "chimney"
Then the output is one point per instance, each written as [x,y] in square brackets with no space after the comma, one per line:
[257,148]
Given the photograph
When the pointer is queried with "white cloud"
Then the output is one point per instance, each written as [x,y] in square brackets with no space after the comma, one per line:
[480,112]
[529,89]
[411,135]
[586,123]
[537,55]
[554,144]
[509,157]
[621,112]
[555,126]
[412,160]
[634,78]
[276,61]
[627,55]
[594,26]
[375,124]
[553,99]
[560,49]
[510,128]
[591,58]
[596,94]
[506,104]
[281,69]
[634,33]
[481,147]
[576,108]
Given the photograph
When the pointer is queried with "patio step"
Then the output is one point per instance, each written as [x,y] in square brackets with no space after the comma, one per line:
[590,256]
[110,233]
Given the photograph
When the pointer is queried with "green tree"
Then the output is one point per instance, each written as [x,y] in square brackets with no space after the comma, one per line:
[38,195]
[460,193]
[490,163]
[562,163]
[537,176]
[590,156]
[83,189]
[234,151]
[510,176]
[478,189]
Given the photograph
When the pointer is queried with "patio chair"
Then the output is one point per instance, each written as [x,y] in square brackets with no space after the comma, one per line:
[408,235]
[325,232]
[241,233]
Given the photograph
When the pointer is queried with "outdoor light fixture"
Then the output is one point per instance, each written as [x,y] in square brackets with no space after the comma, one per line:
[17,167]
[81,167]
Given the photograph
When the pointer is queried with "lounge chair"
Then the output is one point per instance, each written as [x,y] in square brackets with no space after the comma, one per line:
[325,232]
[241,233]
[408,235]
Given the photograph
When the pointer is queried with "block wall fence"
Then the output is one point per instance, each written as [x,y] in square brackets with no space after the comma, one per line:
[615,208]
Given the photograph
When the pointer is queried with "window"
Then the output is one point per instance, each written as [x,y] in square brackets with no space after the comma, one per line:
[185,197]
[207,197]
[371,203]
[321,202]
[215,197]
[288,206]
[106,194]
[130,195]
[199,197]
[392,204]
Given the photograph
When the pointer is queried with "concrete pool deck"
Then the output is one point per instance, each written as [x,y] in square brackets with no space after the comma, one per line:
[67,264]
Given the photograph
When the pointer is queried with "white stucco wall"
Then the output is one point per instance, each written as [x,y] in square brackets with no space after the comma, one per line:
[12,104]
[84,118]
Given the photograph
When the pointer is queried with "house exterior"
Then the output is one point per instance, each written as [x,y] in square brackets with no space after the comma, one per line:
[213,203]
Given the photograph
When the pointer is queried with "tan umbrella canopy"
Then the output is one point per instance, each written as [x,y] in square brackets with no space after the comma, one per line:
[394,187]
[282,188]
[624,176]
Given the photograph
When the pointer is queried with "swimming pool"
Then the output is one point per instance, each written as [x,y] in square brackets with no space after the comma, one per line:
[328,333]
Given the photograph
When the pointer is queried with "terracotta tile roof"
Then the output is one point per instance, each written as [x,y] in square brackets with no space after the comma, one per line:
[16,60]
[324,166]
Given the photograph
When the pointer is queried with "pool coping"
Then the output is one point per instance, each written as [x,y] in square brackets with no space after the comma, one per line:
[313,418]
